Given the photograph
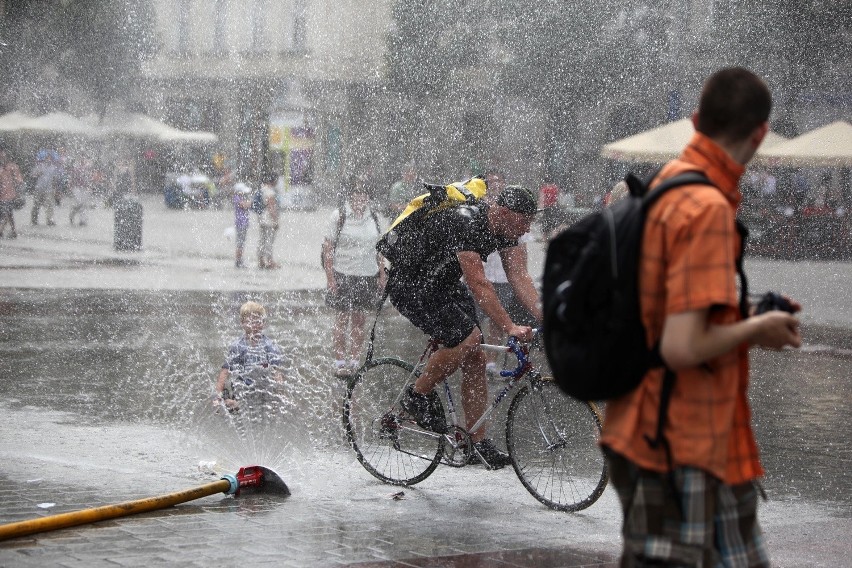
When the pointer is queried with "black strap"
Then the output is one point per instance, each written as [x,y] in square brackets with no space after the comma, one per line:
[685,178]
[341,220]
[744,304]
[469,197]
[372,341]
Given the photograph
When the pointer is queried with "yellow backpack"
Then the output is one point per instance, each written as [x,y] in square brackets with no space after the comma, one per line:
[439,197]
[443,196]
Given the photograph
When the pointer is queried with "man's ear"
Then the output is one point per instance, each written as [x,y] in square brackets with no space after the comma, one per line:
[759,134]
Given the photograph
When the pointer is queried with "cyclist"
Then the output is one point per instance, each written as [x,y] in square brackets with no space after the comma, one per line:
[425,286]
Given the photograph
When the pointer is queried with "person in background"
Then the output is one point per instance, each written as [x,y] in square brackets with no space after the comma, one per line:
[691,500]
[242,205]
[268,222]
[11,181]
[123,181]
[548,205]
[496,274]
[355,273]
[46,174]
[402,191]
[80,182]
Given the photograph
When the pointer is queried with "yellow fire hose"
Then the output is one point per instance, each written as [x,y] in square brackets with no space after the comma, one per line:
[256,477]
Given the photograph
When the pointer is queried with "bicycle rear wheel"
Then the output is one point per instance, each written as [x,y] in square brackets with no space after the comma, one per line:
[552,440]
[390,446]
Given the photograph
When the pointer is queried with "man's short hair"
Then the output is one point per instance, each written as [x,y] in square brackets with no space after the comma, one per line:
[734,101]
[518,199]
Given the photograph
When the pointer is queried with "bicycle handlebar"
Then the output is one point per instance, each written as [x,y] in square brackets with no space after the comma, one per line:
[521,352]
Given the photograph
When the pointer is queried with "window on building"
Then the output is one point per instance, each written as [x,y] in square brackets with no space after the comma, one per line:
[701,16]
[184,30]
[220,27]
[258,26]
[300,26]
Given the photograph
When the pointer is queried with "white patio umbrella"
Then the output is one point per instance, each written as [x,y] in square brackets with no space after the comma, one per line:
[13,121]
[830,145]
[60,123]
[191,137]
[663,143]
[145,127]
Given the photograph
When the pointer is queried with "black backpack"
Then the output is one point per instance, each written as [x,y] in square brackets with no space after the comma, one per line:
[593,332]
[257,202]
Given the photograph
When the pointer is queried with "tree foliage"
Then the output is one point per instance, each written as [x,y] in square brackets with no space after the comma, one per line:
[803,44]
[94,46]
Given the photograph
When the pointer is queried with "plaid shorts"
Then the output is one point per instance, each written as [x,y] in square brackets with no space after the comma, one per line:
[714,526]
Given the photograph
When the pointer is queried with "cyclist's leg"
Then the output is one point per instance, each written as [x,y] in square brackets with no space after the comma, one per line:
[474,387]
[446,360]
[449,316]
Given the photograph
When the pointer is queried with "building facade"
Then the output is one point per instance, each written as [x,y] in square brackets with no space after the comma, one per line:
[252,69]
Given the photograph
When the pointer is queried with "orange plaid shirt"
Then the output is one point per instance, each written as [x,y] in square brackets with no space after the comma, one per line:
[690,245]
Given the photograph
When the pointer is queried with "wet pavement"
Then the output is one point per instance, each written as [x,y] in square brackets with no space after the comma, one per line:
[108,360]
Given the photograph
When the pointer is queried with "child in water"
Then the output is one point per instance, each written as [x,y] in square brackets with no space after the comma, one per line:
[253,364]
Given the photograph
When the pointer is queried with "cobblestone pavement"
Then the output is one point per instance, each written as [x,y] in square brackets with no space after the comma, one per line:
[53,462]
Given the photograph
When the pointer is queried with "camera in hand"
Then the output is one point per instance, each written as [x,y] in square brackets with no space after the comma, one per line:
[773,301]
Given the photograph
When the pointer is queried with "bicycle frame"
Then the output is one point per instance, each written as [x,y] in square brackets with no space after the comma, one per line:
[514,376]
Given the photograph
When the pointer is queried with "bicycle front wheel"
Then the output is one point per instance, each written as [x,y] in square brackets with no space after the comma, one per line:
[388,445]
[553,442]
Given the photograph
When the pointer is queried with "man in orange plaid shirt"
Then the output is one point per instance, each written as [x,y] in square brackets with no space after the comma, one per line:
[697,506]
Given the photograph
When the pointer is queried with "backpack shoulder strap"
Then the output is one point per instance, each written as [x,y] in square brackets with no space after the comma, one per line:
[376,221]
[685,178]
[468,196]
[341,220]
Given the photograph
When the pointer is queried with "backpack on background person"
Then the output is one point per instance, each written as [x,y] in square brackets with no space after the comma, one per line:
[341,220]
[258,205]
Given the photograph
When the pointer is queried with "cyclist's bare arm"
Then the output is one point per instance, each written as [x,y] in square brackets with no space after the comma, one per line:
[486,297]
[515,264]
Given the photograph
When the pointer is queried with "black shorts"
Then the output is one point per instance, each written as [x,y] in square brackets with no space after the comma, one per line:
[353,293]
[447,315]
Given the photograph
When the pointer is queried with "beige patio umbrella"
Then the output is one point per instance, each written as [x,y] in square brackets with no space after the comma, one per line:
[830,145]
[663,143]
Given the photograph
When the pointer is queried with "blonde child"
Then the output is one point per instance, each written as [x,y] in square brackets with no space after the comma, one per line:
[253,364]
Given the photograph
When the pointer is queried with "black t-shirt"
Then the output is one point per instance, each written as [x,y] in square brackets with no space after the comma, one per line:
[427,256]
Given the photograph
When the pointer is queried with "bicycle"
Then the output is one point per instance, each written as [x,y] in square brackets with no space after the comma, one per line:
[551,438]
